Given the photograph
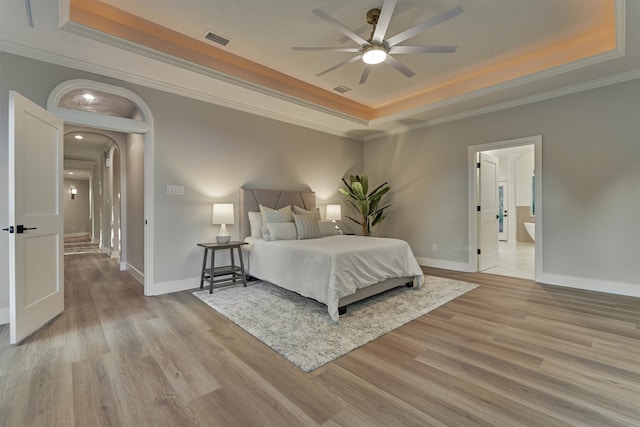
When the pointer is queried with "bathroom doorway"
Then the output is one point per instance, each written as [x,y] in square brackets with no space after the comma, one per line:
[517,200]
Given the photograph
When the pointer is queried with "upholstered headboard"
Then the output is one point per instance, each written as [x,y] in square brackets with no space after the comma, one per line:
[252,198]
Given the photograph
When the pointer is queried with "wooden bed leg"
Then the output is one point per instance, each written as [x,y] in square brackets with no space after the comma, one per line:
[342,310]
[409,284]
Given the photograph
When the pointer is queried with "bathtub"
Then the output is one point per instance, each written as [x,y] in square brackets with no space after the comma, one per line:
[531,229]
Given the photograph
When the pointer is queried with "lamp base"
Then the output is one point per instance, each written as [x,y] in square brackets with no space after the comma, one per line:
[223,239]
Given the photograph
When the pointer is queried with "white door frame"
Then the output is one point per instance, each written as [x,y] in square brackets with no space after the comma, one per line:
[118,124]
[472,152]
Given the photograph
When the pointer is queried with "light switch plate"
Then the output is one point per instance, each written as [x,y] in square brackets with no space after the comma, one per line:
[175,190]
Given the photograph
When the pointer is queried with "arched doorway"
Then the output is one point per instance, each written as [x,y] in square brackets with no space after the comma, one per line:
[98,105]
[92,163]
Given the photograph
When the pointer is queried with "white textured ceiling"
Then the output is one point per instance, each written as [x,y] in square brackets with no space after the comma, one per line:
[486,32]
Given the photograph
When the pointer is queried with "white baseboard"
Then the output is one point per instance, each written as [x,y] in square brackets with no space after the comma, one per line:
[618,288]
[444,264]
[175,286]
[137,274]
[4,316]
[115,254]
[587,284]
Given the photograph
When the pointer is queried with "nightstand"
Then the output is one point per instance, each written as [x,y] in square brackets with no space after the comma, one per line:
[224,274]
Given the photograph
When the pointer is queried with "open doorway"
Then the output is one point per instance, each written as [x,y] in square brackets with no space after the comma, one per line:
[505,232]
[92,215]
[96,105]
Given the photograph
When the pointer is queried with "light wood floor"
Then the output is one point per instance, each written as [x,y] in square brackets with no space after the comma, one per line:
[510,353]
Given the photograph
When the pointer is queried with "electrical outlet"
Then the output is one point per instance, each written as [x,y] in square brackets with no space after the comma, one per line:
[434,247]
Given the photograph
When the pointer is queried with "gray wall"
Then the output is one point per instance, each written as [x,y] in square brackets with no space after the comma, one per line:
[134,202]
[590,169]
[212,151]
[591,188]
[76,211]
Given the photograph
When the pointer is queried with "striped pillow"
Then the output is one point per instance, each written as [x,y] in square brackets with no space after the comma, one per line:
[307,226]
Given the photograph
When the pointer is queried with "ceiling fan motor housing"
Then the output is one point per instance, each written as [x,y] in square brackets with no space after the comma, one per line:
[373,15]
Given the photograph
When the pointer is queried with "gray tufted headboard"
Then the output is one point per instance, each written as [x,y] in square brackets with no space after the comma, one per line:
[252,198]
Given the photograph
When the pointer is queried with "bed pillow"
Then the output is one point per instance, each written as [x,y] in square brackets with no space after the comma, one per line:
[279,231]
[255,224]
[327,228]
[272,215]
[300,211]
[306,226]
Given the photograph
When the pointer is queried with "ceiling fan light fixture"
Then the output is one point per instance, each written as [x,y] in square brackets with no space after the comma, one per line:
[374,54]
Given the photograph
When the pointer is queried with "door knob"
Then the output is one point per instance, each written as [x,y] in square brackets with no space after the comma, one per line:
[21,228]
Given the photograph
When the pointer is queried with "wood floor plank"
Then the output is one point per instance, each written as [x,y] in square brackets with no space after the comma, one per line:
[457,393]
[380,406]
[537,398]
[510,352]
[183,370]
[298,386]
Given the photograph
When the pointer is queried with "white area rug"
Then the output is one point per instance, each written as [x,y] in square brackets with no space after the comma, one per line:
[300,328]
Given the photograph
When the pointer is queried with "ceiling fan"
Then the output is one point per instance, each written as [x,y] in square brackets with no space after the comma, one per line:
[378,49]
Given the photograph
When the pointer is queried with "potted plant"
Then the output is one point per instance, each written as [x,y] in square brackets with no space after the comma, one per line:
[366,203]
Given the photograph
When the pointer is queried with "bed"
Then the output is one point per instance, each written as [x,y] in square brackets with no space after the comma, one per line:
[336,270]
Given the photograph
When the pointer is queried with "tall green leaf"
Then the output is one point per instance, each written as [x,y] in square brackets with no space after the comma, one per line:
[364,202]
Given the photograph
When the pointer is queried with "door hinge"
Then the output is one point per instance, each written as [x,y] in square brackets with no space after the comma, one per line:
[479,252]
[478,208]
[478,165]
[9,229]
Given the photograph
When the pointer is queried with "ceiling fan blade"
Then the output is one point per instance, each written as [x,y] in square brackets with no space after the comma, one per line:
[399,66]
[413,31]
[422,49]
[328,49]
[365,73]
[347,32]
[360,30]
[384,20]
[348,61]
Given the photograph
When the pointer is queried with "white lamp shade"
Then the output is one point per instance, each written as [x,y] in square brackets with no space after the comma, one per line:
[334,212]
[222,213]
[74,191]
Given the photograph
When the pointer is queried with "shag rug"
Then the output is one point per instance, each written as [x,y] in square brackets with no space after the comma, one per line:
[300,328]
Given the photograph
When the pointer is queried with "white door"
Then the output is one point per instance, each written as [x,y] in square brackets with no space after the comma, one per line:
[488,215]
[36,273]
[503,214]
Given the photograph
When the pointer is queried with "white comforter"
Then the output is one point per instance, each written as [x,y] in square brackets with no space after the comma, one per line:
[330,268]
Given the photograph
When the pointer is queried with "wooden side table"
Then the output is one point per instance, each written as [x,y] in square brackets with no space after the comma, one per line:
[227,274]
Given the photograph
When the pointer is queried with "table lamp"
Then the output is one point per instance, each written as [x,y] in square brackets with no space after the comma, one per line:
[223,215]
[334,213]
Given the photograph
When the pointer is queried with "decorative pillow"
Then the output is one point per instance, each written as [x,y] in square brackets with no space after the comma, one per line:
[272,215]
[300,211]
[255,223]
[279,231]
[327,228]
[307,226]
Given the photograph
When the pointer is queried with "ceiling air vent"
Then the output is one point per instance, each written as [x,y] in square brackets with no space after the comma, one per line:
[341,89]
[216,38]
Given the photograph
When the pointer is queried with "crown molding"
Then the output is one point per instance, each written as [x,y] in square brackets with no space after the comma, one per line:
[542,96]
